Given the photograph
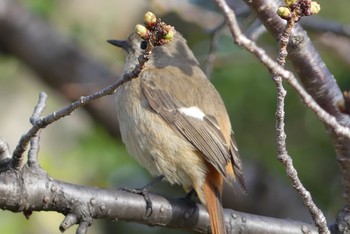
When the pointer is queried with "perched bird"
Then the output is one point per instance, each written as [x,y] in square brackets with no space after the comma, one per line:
[174,123]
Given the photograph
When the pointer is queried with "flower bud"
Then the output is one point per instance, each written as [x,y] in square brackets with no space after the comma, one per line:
[284,12]
[315,8]
[170,34]
[142,31]
[150,19]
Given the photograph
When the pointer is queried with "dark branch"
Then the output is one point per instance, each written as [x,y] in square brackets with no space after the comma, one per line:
[80,205]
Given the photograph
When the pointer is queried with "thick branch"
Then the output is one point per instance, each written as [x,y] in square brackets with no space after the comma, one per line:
[31,189]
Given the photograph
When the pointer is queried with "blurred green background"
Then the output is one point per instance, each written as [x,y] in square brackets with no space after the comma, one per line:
[76,149]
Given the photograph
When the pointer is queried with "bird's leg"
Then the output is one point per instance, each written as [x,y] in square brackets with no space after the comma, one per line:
[188,199]
[143,191]
[190,194]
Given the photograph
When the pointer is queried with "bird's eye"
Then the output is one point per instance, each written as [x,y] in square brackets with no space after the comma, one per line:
[143,45]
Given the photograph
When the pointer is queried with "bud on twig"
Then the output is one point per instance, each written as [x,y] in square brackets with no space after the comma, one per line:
[315,8]
[295,9]
[169,32]
[154,31]
[150,19]
[142,31]
[284,12]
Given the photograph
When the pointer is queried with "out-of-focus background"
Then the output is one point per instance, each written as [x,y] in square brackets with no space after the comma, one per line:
[84,149]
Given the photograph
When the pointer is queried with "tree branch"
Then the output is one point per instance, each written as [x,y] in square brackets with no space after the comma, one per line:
[31,189]
[283,155]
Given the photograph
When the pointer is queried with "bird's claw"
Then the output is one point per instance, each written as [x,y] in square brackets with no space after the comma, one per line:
[144,191]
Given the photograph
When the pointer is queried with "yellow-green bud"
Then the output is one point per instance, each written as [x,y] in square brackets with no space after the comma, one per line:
[150,18]
[284,12]
[170,35]
[315,8]
[290,2]
[142,31]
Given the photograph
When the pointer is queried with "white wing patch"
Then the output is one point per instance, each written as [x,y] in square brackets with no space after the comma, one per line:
[192,111]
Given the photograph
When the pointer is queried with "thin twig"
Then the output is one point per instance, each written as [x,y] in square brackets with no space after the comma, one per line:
[213,48]
[283,156]
[34,142]
[39,123]
[158,34]
[18,158]
[34,151]
[278,71]
[39,108]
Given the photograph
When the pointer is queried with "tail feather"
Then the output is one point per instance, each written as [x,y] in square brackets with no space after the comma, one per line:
[237,165]
[212,189]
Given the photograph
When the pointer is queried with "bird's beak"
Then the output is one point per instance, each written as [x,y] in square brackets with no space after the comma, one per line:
[120,43]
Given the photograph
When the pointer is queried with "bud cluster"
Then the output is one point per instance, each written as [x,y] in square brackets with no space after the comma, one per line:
[295,9]
[154,29]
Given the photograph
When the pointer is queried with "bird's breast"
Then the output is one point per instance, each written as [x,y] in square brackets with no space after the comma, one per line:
[150,140]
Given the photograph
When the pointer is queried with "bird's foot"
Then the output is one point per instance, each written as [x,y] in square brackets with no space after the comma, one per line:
[144,191]
[188,199]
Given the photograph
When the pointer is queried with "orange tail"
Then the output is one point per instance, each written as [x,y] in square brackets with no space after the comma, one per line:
[212,189]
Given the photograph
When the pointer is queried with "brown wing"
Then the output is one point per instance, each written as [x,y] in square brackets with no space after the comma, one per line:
[204,133]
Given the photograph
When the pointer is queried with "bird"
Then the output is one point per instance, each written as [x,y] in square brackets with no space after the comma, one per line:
[174,123]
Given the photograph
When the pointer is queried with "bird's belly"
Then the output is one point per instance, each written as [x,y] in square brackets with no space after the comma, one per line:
[155,145]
